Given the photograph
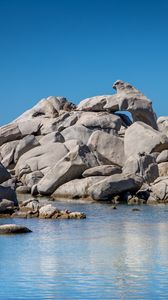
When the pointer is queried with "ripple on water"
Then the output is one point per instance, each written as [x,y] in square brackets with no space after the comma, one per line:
[113,254]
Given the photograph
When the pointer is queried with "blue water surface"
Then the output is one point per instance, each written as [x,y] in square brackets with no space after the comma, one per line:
[112,254]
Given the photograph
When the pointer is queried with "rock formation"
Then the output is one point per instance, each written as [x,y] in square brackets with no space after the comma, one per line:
[92,150]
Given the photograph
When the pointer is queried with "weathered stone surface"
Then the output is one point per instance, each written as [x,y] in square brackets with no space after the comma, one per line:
[40,158]
[162,123]
[77,132]
[98,103]
[27,143]
[23,189]
[52,124]
[68,168]
[71,144]
[163,169]
[53,137]
[4,174]
[159,190]
[105,170]
[32,178]
[13,228]
[140,138]
[115,185]
[69,121]
[77,188]
[29,127]
[100,120]
[9,132]
[162,157]
[6,206]
[132,100]
[7,151]
[143,165]
[109,148]
[47,211]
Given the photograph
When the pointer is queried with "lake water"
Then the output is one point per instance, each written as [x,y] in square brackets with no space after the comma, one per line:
[113,254]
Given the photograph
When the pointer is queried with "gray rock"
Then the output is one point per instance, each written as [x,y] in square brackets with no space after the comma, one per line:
[29,127]
[23,189]
[109,148]
[40,159]
[163,169]
[4,174]
[53,137]
[9,132]
[47,211]
[105,170]
[68,168]
[7,151]
[159,189]
[98,103]
[32,178]
[142,165]
[27,143]
[162,157]
[52,124]
[77,132]
[6,206]
[132,100]
[100,120]
[140,137]
[77,188]
[115,185]
[162,123]
[71,144]
[13,228]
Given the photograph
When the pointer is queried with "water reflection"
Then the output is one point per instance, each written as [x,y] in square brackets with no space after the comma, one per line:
[110,255]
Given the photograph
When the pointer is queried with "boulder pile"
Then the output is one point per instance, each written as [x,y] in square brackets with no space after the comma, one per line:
[109,147]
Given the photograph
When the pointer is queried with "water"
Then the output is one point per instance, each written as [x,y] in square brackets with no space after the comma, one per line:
[113,254]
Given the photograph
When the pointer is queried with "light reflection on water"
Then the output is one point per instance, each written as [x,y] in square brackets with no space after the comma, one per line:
[113,254]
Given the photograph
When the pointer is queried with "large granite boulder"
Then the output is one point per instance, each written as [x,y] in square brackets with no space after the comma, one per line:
[115,185]
[109,148]
[77,188]
[104,170]
[27,143]
[159,190]
[40,158]
[77,132]
[162,123]
[162,157]
[143,165]
[100,121]
[9,132]
[140,138]
[68,168]
[97,103]
[132,100]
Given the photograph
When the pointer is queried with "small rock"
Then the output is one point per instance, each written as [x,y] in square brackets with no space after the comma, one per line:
[13,228]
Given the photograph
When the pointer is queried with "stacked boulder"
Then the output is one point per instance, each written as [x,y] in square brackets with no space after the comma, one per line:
[91,151]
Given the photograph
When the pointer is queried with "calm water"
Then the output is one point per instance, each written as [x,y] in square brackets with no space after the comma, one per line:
[113,254]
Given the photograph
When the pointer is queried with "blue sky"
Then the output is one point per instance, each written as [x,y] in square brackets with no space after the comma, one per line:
[79,48]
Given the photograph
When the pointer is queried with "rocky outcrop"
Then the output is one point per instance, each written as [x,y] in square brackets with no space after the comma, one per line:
[93,150]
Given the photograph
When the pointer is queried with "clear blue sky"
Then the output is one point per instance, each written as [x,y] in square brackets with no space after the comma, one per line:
[79,48]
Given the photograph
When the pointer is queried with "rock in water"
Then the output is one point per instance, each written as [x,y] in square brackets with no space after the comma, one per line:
[13,228]
[115,185]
